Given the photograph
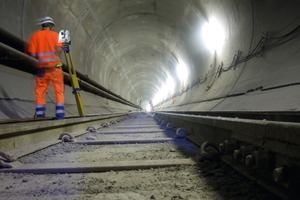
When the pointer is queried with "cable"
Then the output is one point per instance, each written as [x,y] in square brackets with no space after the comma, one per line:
[262,44]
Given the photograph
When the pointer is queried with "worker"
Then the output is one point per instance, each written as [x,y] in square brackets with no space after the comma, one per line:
[45,47]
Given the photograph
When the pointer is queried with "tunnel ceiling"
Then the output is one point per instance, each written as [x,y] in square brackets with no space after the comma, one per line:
[134,45]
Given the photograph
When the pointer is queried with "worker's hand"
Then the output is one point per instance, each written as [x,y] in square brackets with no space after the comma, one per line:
[66,48]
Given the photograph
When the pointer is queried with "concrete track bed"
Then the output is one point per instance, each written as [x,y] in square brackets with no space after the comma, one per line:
[68,152]
[211,181]
[159,170]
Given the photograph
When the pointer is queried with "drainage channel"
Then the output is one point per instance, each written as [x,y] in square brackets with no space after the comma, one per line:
[132,159]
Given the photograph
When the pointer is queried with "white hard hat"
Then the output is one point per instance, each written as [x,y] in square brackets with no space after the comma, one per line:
[45,20]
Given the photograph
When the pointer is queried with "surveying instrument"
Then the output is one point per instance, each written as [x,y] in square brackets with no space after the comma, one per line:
[64,38]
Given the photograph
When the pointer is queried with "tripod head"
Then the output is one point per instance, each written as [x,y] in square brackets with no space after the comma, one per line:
[64,38]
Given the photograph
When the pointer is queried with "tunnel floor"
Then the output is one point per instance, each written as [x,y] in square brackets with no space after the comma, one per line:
[200,180]
[182,182]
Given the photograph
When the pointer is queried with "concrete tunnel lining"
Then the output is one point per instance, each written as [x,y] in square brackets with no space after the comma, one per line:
[131,46]
[123,47]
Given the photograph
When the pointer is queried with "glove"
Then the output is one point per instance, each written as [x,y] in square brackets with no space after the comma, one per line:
[41,72]
[58,65]
[66,48]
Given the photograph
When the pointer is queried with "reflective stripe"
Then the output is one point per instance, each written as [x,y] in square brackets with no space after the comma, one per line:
[46,54]
[43,46]
[46,57]
[48,60]
[59,109]
[60,112]
[40,112]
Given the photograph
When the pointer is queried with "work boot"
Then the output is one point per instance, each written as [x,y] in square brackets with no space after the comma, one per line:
[40,111]
[60,111]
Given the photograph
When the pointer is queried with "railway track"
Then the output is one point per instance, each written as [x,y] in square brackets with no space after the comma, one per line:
[126,157]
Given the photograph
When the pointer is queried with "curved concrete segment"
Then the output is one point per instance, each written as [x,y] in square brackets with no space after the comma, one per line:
[238,55]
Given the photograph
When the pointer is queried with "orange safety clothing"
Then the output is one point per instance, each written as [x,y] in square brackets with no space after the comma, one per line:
[44,46]
[54,75]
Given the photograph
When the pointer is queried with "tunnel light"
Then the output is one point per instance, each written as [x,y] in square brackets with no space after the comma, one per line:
[182,72]
[148,108]
[158,97]
[213,35]
[170,84]
[166,90]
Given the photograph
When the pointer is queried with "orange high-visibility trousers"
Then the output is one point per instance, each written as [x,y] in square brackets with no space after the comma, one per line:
[54,75]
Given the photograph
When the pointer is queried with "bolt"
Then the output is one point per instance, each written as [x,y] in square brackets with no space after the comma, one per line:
[280,175]
[4,165]
[245,150]
[261,159]
[91,129]
[163,123]
[237,154]
[169,126]
[104,125]
[230,145]
[249,161]
[222,147]
[180,132]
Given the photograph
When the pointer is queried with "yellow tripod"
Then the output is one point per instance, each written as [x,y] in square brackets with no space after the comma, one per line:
[74,80]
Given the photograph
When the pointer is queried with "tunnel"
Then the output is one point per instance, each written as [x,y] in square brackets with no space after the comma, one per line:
[221,74]
[183,55]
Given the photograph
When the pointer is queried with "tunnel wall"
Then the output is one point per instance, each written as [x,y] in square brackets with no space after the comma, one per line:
[17,87]
[17,98]
[268,81]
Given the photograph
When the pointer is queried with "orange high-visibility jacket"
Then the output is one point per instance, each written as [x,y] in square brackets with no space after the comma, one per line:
[44,46]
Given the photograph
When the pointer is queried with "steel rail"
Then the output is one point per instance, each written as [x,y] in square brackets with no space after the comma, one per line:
[267,152]
[273,135]
[12,40]
[46,132]
[282,116]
